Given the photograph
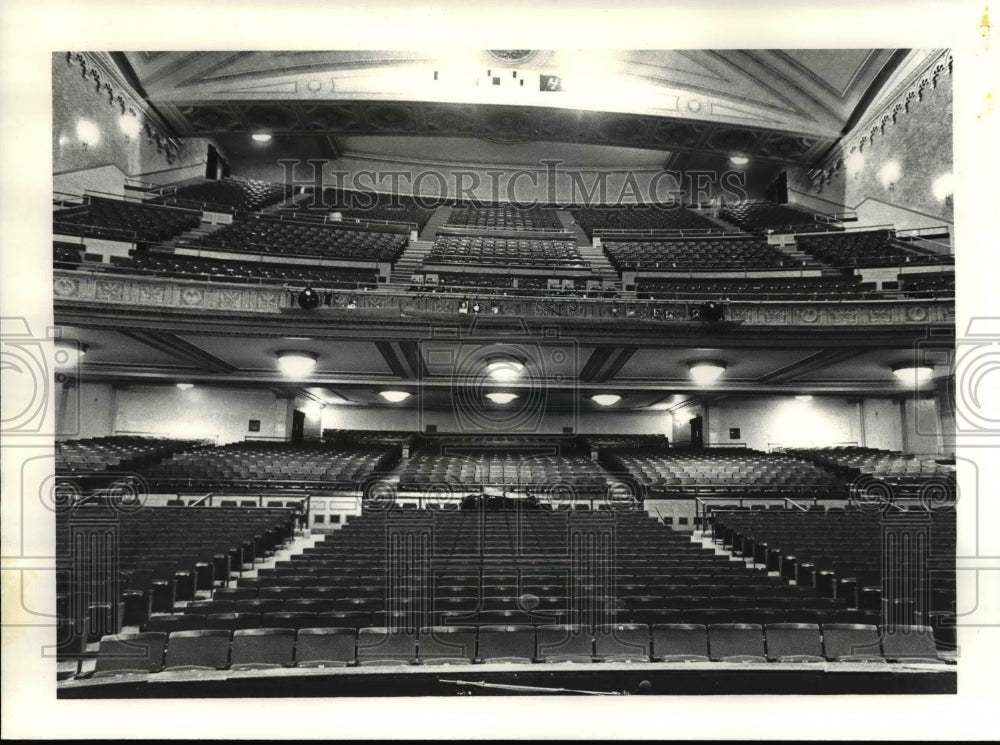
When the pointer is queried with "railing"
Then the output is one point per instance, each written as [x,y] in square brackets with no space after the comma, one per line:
[703,505]
[81,285]
[666,233]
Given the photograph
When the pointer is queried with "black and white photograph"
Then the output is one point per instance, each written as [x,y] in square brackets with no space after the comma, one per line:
[382,383]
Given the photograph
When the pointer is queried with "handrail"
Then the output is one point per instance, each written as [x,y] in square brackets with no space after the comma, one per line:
[667,233]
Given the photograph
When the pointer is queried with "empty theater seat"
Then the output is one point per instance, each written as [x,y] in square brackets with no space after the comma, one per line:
[206,649]
[130,654]
[736,642]
[325,647]
[679,642]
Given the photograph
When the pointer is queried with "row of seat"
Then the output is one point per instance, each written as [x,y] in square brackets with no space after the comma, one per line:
[504,251]
[229,194]
[120,451]
[118,220]
[742,252]
[457,472]
[757,288]
[251,272]
[275,462]
[758,215]
[368,206]
[268,648]
[868,248]
[505,217]
[641,217]
[263,235]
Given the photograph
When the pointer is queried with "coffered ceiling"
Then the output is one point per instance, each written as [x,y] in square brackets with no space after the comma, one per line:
[663,106]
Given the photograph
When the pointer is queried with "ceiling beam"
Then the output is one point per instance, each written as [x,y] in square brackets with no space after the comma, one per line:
[808,364]
[180,349]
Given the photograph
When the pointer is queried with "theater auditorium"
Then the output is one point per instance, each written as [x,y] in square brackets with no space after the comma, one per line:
[510,372]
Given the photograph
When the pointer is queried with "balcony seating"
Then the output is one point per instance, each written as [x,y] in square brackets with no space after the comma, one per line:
[241,272]
[755,216]
[369,207]
[117,220]
[641,217]
[505,217]
[754,288]
[256,234]
[868,248]
[227,195]
[450,249]
[741,252]
[505,284]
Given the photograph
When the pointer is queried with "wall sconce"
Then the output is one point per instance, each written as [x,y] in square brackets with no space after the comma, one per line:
[889,174]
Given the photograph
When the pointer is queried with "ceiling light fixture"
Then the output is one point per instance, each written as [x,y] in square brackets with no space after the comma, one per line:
[706,372]
[739,160]
[605,399]
[261,137]
[395,396]
[804,397]
[296,364]
[185,386]
[504,368]
[499,397]
[913,375]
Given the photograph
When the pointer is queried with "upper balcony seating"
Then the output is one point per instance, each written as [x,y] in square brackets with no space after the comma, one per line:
[504,284]
[696,253]
[102,453]
[867,248]
[883,464]
[117,220]
[505,217]
[256,234]
[928,285]
[275,464]
[755,216]
[227,195]
[723,471]
[217,270]
[449,249]
[642,217]
[368,206]
[67,255]
[753,288]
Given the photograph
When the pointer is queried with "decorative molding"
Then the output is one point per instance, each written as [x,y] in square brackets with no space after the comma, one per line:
[153,293]
[888,114]
[99,68]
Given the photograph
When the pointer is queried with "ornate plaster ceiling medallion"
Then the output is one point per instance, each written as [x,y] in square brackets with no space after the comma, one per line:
[512,55]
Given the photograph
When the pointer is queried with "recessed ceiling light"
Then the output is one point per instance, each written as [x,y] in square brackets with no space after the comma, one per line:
[706,372]
[913,374]
[804,397]
[261,137]
[739,160]
[395,396]
[499,397]
[296,364]
[185,386]
[605,399]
